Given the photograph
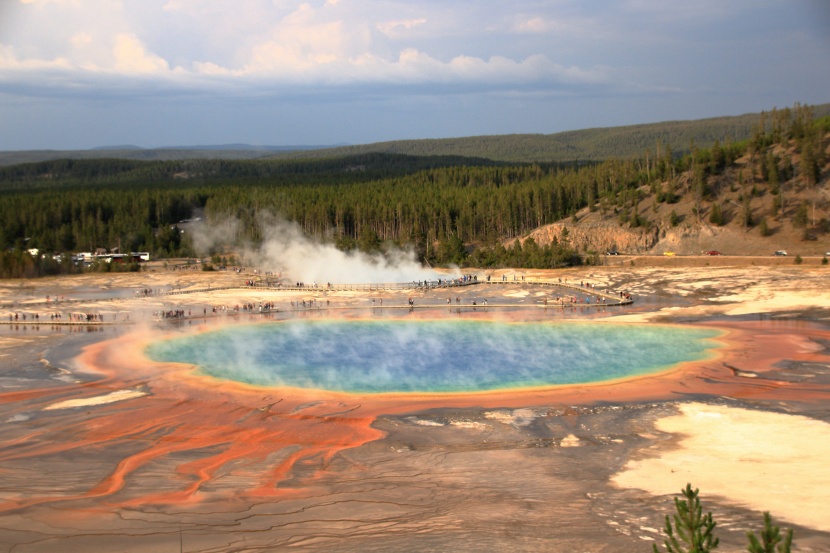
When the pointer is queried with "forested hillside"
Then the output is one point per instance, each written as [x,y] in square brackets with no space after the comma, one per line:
[450,209]
[596,144]
[583,145]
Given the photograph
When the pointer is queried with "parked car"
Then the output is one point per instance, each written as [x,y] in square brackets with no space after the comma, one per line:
[780,253]
[668,254]
[612,253]
[713,252]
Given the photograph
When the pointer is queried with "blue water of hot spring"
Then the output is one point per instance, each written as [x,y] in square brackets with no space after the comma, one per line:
[433,356]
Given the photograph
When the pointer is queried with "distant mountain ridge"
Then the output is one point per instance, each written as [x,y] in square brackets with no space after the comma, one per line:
[594,144]
[222,147]
[252,147]
[167,153]
[119,147]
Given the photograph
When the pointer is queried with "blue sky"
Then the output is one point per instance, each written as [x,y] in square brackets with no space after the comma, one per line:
[84,73]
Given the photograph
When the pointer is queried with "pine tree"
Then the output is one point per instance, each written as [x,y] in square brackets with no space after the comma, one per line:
[770,538]
[716,215]
[718,159]
[747,213]
[772,174]
[674,218]
[692,532]
[809,166]
[801,216]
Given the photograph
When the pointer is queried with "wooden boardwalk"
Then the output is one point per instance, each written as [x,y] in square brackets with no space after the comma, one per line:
[603,298]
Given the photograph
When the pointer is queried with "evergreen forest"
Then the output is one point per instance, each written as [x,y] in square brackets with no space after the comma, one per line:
[448,208]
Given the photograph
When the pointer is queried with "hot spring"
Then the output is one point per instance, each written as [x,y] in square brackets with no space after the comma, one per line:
[433,356]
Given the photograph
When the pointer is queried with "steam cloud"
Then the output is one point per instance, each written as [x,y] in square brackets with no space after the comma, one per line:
[298,257]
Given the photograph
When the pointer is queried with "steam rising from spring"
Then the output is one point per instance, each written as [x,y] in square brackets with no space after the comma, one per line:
[288,251]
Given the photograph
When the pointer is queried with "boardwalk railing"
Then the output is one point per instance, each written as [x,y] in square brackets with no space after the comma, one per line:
[617,297]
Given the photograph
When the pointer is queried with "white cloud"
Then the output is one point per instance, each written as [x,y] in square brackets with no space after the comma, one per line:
[532,25]
[9,62]
[301,40]
[212,69]
[300,60]
[579,28]
[258,43]
[397,28]
[706,10]
[81,39]
[44,2]
[175,5]
[258,47]
[131,56]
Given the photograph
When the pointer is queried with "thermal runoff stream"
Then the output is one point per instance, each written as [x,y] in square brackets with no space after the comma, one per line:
[433,356]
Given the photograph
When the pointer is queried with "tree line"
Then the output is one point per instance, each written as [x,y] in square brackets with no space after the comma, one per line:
[449,209]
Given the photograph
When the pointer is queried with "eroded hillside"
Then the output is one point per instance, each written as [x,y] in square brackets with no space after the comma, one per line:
[774,195]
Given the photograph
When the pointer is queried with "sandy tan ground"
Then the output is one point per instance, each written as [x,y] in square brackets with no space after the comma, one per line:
[720,451]
[750,429]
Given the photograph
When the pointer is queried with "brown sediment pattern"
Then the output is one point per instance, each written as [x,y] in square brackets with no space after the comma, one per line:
[190,438]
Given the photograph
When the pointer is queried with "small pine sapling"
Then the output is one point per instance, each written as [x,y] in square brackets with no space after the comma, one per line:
[770,538]
[692,532]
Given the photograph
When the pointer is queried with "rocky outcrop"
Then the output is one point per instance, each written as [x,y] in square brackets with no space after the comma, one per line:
[598,237]
[688,240]
[684,239]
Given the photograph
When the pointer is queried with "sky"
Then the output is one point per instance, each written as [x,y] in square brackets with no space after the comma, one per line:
[77,74]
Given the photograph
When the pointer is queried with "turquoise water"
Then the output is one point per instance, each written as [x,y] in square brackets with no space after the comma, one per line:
[433,356]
